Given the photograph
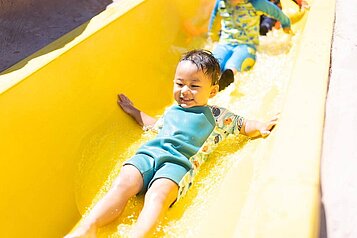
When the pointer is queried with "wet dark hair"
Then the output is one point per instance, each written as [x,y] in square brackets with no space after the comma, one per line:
[205,61]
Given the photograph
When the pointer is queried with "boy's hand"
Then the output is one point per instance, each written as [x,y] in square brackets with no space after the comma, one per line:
[254,129]
[288,30]
[266,127]
[304,5]
[140,117]
[126,104]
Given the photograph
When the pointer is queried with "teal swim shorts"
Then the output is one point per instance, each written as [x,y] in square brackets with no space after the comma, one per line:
[152,170]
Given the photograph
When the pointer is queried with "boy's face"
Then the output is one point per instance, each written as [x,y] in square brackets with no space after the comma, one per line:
[191,86]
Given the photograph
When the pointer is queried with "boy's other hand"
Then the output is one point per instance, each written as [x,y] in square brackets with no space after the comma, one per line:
[288,30]
[140,117]
[266,127]
[126,104]
[305,5]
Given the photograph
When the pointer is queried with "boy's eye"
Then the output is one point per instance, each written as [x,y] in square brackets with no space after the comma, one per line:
[195,86]
[179,84]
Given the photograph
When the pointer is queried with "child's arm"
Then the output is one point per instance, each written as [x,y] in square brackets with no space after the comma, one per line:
[252,128]
[273,11]
[140,117]
[213,17]
[302,4]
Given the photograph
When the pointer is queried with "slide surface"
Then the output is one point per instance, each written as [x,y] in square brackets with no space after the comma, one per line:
[63,138]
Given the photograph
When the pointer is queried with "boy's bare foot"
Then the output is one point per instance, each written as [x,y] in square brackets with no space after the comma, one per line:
[226,79]
[83,232]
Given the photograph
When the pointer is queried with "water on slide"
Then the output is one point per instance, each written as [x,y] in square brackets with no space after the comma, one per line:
[257,94]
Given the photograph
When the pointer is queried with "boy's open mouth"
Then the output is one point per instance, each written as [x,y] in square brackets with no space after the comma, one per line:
[185,100]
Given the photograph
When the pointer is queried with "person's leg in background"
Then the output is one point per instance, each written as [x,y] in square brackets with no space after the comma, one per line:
[242,59]
[223,52]
[266,24]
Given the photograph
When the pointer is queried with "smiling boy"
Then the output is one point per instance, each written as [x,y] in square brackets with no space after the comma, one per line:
[163,168]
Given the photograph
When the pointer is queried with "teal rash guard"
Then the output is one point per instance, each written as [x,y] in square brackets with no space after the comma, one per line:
[183,133]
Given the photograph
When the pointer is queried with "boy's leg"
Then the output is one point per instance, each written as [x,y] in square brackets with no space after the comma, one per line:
[226,79]
[127,184]
[242,59]
[161,194]
[266,24]
[222,52]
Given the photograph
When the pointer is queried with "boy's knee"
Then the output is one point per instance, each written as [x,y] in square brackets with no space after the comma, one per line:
[157,196]
[247,64]
[123,184]
[162,193]
[127,181]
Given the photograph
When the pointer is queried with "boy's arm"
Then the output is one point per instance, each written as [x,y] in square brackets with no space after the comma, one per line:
[272,10]
[298,2]
[213,17]
[140,117]
[252,128]
[302,4]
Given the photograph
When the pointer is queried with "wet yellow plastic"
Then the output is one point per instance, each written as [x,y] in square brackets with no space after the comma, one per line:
[63,138]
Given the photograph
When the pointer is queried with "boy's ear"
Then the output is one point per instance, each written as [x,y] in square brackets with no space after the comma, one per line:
[214,90]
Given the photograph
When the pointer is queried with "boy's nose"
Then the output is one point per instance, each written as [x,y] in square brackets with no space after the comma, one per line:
[185,89]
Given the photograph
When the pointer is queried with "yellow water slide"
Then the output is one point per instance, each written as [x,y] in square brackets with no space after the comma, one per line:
[63,138]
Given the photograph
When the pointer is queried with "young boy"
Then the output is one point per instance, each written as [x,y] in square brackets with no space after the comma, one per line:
[239,35]
[163,168]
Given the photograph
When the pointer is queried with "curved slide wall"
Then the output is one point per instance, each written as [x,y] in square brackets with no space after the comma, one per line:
[63,138]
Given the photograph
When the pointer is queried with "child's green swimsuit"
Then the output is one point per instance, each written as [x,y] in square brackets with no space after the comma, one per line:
[186,136]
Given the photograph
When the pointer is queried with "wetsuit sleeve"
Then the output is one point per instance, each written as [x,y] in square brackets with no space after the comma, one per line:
[213,16]
[227,121]
[271,10]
